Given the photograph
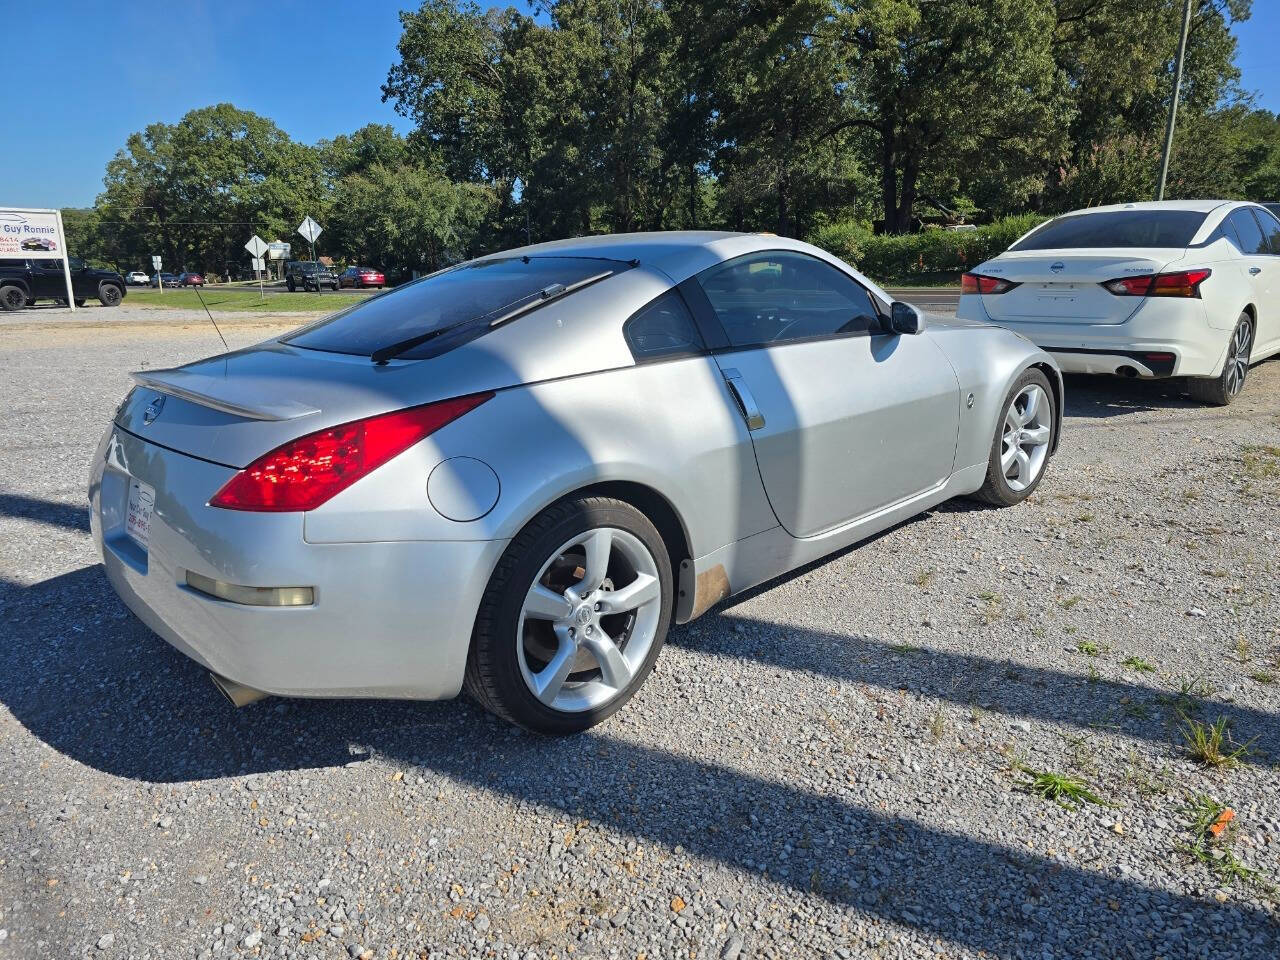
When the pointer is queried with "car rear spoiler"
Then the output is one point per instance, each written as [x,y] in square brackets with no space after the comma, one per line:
[215,393]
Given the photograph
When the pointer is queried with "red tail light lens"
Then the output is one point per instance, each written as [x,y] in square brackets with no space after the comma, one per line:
[304,473]
[1184,283]
[988,286]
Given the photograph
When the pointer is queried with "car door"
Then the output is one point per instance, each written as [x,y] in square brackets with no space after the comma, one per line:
[845,419]
[1258,269]
[1266,281]
[48,281]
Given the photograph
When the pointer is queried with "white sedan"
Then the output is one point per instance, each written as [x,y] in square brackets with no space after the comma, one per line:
[1176,288]
[137,278]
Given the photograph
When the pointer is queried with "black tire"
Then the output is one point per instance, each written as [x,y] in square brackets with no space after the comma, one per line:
[291,285]
[110,295]
[12,298]
[996,489]
[493,676]
[80,301]
[1219,391]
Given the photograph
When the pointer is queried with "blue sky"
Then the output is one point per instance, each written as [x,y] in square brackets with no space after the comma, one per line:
[316,70]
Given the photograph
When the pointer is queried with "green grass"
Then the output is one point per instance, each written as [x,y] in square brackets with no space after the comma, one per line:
[1137,663]
[1262,462]
[1214,850]
[236,301]
[1211,744]
[1057,787]
[1088,648]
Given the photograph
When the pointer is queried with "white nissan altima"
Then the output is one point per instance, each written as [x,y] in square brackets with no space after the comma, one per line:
[1176,288]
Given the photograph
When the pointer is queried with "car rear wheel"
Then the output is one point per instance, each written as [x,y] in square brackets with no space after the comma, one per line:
[573,618]
[1222,389]
[1023,441]
[109,295]
[12,298]
[291,285]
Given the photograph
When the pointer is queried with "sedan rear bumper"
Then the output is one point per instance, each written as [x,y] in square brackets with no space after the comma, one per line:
[387,619]
[1160,327]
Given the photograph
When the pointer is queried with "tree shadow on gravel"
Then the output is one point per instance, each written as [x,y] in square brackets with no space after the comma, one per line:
[45,511]
[103,690]
[1000,686]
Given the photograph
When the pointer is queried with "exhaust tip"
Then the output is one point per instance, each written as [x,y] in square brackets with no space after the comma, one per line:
[237,693]
[1127,371]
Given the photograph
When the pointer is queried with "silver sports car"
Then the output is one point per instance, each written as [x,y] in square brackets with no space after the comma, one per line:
[514,474]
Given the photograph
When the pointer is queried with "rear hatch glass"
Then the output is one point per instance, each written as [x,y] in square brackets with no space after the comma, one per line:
[452,306]
[1116,228]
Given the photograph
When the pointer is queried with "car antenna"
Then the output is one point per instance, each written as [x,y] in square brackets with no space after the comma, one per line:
[211,320]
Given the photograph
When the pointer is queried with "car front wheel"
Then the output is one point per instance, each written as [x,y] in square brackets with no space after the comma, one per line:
[574,617]
[109,295]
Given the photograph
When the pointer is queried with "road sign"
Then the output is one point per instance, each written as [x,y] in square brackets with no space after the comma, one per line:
[259,263]
[256,246]
[155,263]
[310,230]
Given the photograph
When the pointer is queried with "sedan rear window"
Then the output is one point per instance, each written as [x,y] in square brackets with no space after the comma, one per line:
[452,306]
[1119,228]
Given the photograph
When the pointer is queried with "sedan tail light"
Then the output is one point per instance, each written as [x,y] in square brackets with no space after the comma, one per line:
[304,473]
[988,286]
[1183,283]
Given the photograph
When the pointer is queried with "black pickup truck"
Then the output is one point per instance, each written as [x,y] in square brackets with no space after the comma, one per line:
[24,282]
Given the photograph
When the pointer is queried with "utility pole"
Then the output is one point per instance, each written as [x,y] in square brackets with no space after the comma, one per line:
[1173,104]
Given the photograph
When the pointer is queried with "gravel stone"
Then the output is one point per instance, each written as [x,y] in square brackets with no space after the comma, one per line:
[811,771]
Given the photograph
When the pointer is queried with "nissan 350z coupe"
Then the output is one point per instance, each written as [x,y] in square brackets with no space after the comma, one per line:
[514,474]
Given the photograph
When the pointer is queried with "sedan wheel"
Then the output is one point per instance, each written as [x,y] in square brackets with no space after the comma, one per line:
[1023,442]
[1225,387]
[574,617]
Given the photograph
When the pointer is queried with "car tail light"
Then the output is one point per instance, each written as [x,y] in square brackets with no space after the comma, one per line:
[1183,283]
[988,286]
[304,473]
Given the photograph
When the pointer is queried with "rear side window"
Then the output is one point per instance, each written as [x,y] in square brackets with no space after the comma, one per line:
[781,296]
[1251,240]
[452,306]
[1120,228]
[1270,231]
[663,329]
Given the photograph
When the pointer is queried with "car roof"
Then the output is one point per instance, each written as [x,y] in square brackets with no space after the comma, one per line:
[1196,206]
[679,254]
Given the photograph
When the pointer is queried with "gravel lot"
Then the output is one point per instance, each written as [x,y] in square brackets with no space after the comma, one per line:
[828,767]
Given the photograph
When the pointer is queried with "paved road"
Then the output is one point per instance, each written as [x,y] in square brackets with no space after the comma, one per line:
[931,300]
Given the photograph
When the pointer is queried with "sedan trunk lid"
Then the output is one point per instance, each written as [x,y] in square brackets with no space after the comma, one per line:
[1066,286]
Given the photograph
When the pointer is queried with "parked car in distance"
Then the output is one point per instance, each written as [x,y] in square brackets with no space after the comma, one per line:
[136,278]
[25,282]
[1165,289]
[309,274]
[165,279]
[516,473]
[190,279]
[362,277]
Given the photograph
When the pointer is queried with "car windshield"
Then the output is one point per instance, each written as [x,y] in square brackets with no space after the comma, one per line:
[472,295]
[1120,228]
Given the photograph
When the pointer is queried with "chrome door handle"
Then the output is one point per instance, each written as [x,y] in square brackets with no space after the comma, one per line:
[1254,271]
[746,402]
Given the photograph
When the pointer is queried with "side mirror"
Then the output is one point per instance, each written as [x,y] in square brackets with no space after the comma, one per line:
[904,318]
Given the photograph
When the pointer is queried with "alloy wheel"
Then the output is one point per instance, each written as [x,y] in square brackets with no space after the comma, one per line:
[1024,442]
[589,620]
[1238,358]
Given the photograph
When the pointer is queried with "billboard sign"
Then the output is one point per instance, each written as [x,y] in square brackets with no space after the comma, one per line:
[31,234]
[279,251]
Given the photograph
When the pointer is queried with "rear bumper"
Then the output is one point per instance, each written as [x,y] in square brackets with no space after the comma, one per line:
[1160,326]
[388,619]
